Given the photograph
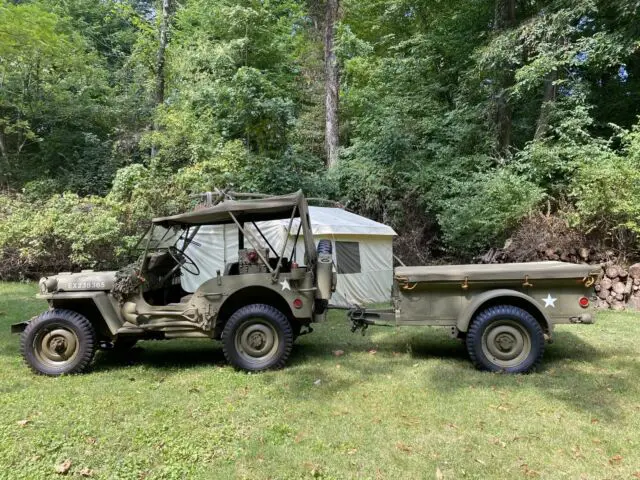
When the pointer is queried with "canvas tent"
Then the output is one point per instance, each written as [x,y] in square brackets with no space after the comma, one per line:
[362,252]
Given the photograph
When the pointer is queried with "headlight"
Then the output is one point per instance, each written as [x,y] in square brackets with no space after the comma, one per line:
[48,284]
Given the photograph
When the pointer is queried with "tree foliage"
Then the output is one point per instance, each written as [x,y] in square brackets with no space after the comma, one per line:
[457,119]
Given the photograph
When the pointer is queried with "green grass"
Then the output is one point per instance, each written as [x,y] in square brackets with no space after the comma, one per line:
[414,409]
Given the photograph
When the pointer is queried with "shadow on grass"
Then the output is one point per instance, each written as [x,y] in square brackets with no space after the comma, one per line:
[424,344]
[585,378]
[163,355]
[573,371]
[419,344]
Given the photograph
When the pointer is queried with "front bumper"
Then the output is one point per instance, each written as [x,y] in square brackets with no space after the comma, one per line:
[19,327]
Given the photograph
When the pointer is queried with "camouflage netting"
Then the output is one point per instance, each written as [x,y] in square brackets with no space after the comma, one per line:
[128,280]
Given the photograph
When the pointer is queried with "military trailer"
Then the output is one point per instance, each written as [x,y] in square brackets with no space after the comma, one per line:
[503,313]
[256,307]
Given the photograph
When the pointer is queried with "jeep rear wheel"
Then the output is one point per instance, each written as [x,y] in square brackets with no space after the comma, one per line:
[58,342]
[257,337]
[505,338]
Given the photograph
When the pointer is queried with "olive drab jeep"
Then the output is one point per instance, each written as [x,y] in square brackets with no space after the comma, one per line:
[256,305]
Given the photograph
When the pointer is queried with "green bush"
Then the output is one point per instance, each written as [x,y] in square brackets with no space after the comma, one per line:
[484,209]
[607,198]
[63,233]
[41,234]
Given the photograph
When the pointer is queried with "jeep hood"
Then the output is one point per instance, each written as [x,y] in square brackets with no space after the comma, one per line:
[85,281]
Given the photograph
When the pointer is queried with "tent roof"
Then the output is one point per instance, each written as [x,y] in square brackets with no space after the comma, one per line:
[336,221]
[259,209]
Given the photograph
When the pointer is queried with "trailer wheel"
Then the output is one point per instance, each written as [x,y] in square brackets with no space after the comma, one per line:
[505,338]
[58,342]
[257,337]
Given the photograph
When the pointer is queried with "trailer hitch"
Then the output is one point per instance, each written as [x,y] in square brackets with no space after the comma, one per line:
[358,322]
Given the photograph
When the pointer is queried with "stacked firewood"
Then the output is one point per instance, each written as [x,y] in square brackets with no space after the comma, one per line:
[508,254]
[619,287]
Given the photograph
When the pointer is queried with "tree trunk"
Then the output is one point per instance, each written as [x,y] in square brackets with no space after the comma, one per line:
[505,17]
[332,85]
[3,148]
[547,103]
[4,155]
[160,61]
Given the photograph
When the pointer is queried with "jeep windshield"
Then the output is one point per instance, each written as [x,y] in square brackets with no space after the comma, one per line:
[159,237]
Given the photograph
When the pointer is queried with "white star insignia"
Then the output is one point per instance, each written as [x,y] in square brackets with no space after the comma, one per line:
[549,301]
[285,285]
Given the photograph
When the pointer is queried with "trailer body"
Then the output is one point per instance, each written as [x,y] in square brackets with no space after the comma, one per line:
[457,296]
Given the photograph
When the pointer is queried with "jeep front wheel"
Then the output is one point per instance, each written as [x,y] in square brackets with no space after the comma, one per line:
[257,337]
[58,342]
[505,338]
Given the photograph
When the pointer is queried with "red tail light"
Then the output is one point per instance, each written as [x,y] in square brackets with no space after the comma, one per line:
[584,302]
[297,303]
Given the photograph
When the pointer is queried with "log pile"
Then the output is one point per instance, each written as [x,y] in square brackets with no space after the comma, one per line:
[619,287]
[508,254]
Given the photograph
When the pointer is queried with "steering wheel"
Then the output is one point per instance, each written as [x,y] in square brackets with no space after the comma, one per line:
[184,261]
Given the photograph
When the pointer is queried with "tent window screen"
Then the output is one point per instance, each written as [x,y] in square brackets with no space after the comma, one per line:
[348,257]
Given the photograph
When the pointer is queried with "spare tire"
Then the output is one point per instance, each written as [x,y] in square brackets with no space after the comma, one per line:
[324,246]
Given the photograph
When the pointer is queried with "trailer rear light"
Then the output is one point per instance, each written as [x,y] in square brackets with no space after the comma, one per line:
[297,304]
[584,302]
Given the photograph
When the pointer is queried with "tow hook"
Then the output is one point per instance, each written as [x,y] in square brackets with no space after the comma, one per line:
[585,318]
[307,331]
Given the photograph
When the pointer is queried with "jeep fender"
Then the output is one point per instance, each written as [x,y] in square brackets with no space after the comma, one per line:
[105,305]
[507,297]
[254,294]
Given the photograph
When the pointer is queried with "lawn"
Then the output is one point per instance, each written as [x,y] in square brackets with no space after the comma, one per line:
[399,403]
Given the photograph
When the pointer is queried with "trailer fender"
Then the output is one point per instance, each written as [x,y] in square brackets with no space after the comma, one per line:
[503,297]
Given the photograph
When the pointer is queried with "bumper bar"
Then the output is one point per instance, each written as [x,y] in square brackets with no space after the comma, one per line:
[19,327]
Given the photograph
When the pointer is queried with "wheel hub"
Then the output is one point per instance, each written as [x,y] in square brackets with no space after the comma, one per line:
[56,346]
[256,340]
[506,343]
[59,345]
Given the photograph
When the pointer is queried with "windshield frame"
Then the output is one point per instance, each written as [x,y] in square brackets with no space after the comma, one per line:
[184,236]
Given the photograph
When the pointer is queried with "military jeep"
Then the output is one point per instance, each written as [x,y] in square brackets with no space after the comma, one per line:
[257,306]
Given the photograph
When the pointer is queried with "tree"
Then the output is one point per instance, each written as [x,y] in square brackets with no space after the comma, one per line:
[54,113]
[505,18]
[163,34]
[332,84]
